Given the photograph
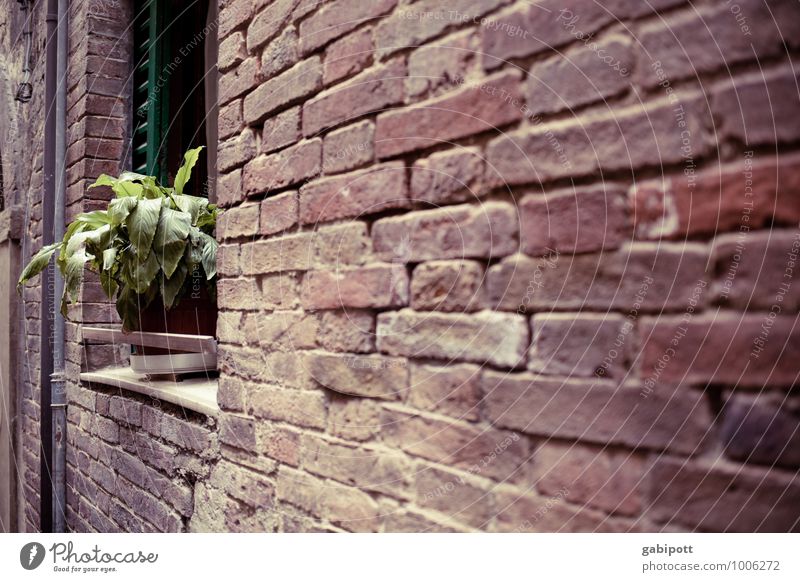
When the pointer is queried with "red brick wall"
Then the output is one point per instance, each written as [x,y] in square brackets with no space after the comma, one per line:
[476,266]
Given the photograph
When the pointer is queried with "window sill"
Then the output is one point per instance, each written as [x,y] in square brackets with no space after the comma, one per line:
[198,394]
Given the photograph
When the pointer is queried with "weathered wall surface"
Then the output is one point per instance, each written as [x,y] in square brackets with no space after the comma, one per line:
[21,147]
[510,266]
[486,265]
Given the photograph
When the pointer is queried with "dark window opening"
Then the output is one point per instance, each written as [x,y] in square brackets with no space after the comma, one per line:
[174,99]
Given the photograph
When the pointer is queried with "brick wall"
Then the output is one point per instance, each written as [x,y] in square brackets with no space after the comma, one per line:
[485,265]
[508,266]
[21,126]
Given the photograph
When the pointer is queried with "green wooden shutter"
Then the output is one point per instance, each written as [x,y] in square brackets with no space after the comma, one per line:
[150,91]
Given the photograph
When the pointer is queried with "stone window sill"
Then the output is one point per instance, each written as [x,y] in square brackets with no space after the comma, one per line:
[198,394]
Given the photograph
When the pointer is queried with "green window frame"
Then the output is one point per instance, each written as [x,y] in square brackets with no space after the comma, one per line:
[151,91]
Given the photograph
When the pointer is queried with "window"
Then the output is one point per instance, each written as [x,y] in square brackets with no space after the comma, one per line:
[174,92]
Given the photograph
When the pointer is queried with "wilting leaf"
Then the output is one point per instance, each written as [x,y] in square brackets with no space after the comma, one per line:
[209,255]
[120,208]
[190,204]
[142,223]
[37,264]
[170,240]
[170,287]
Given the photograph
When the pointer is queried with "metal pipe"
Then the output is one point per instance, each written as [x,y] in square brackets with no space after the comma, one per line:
[48,290]
[58,379]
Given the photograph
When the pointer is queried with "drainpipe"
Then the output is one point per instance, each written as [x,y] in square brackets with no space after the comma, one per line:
[48,290]
[58,394]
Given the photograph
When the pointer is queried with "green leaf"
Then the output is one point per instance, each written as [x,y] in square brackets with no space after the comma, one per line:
[192,205]
[185,171]
[37,264]
[170,240]
[122,187]
[108,283]
[95,219]
[209,255]
[109,256]
[142,223]
[120,208]
[128,308]
[171,287]
[76,258]
[143,273]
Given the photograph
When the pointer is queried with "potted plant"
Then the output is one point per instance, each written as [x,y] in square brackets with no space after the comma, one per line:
[154,251]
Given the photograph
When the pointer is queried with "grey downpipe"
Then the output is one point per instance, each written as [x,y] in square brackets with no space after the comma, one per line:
[58,393]
[47,283]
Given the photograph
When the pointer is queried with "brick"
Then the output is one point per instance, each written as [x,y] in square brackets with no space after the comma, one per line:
[411,522]
[413,26]
[287,253]
[229,188]
[447,286]
[280,291]
[755,501]
[453,495]
[230,327]
[638,278]
[278,213]
[239,81]
[233,14]
[630,138]
[525,512]
[355,194]
[595,411]
[586,345]
[372,90]
[574,221]
[450,390]
[368,469]
[238,432]
[279,443]
[302,80]
[239,222]
[589,476]
[188,435]
[238,293]
[244,485]
[436,68]
[753,193]
[375,286]
[297,407]
[347,56]
[495,338]
[763,430]
[532,29]
[347,331]
[230,394]
[344,506]
[283,330]
[337,18]
[472,109]
[693,43]
[354,419]
[281,130]
[743,116]
[106,429]
[269,22]
[280,54]
[229,120]
[489,453]
[449,176]
[754,270]
[370,376]
[572,80]
[232,51]
[237,151]
[454,232]
[742,350]
[267,173]
[343,244]
[125,410]
[348,148]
